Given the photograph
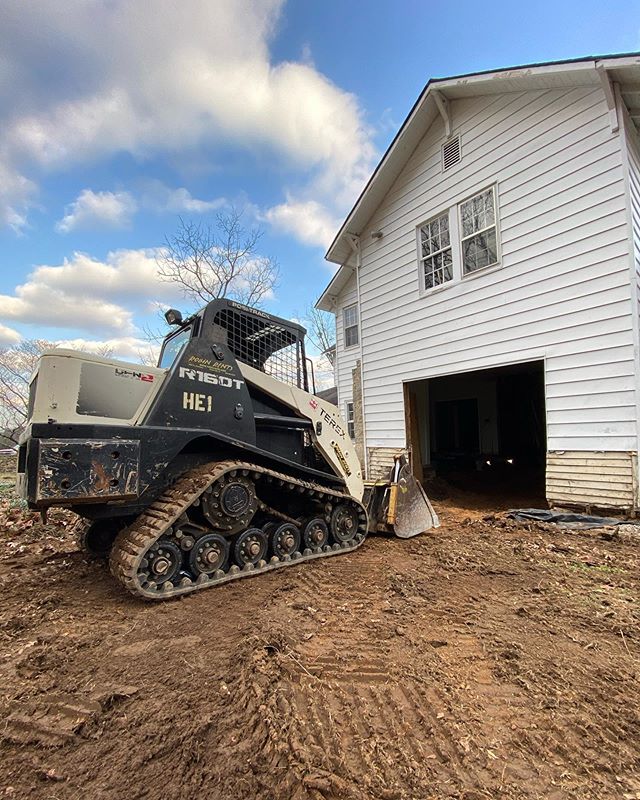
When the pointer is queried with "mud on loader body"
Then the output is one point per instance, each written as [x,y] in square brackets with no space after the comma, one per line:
[216,464]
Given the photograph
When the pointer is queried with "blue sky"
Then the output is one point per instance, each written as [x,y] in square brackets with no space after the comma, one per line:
[117,117]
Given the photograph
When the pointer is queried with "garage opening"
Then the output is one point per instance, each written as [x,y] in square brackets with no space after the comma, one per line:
[481,431]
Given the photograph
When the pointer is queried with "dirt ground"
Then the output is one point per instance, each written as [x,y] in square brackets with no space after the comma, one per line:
[484,660]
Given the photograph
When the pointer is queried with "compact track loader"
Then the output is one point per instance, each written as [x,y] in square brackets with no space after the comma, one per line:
[215,465]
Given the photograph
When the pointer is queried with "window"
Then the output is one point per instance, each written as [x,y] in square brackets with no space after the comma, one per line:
[173,346]
[350,320]
[435,252]
[351,421]
[478,232]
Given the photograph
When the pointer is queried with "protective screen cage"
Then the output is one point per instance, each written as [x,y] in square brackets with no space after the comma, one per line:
[266,344]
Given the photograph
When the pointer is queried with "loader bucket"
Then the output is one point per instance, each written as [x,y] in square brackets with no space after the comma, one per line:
[414,513]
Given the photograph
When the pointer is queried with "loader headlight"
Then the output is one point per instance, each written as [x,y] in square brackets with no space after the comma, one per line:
[173,317]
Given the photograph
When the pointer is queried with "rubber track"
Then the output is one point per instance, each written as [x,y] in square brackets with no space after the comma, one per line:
[132,544]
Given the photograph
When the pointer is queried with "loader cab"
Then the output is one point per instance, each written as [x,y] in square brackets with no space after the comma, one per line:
[208,350]
[273,345]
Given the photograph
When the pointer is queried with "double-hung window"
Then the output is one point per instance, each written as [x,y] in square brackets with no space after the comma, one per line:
[351,421]
[435,252]
[350,322]
[478,232]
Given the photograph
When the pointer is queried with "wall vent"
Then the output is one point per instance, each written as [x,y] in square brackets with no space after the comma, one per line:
[451,153]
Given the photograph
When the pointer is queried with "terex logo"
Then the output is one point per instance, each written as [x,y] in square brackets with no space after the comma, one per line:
[210,378]
[332,422]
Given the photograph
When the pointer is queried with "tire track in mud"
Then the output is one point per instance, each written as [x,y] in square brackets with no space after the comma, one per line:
[374,724]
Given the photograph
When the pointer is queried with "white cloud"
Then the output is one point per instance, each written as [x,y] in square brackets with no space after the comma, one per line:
[98,210]
[174,76]
[86,294]
[309,221]
[16,196]
[158,197]
[8,336]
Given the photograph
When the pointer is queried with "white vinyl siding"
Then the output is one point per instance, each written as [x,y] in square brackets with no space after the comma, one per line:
[561,294]
[346,358]
[633,152]
[632,141]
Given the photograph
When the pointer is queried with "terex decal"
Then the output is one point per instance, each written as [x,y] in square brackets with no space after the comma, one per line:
[332,422]
[140,376]
[209,377]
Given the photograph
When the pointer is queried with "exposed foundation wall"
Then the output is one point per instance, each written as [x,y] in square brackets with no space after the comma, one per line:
[358,420]
[592,479]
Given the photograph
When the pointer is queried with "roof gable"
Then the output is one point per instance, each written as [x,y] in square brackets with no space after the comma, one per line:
[432,104]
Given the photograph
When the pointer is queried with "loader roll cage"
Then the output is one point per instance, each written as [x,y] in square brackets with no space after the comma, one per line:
[273,345]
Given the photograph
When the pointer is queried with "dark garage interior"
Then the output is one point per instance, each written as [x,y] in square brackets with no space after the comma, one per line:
[481,430]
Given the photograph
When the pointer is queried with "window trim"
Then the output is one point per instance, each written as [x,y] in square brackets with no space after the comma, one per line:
[455,230]
[350,421]
[461,239]
[345,326]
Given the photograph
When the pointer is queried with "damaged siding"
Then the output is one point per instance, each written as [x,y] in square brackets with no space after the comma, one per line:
[381,459]
[601,480]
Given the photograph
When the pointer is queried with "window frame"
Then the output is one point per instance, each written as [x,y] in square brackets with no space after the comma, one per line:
[493,188]
[422,259]
[346,327]
[455,230]
[350,419]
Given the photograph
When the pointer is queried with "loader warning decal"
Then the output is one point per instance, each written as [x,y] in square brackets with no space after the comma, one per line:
[341,458]
[210,378]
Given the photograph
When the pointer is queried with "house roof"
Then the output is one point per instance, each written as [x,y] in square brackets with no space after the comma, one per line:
[623,69]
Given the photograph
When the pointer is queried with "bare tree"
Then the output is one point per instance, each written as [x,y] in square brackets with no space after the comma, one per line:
[104,351]
[148,355]
[17,363]
[208,262]
[322,332]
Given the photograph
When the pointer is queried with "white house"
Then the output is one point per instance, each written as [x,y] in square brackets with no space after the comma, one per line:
[487,296]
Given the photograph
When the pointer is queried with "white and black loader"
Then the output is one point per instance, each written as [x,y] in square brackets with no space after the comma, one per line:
[217,464]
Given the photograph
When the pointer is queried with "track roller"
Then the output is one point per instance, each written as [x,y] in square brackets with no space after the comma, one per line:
[250,547]
[344,523]
[315,533]
[209,554]
[285,540]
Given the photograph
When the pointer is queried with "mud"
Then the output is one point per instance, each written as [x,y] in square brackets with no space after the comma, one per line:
[487,659]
